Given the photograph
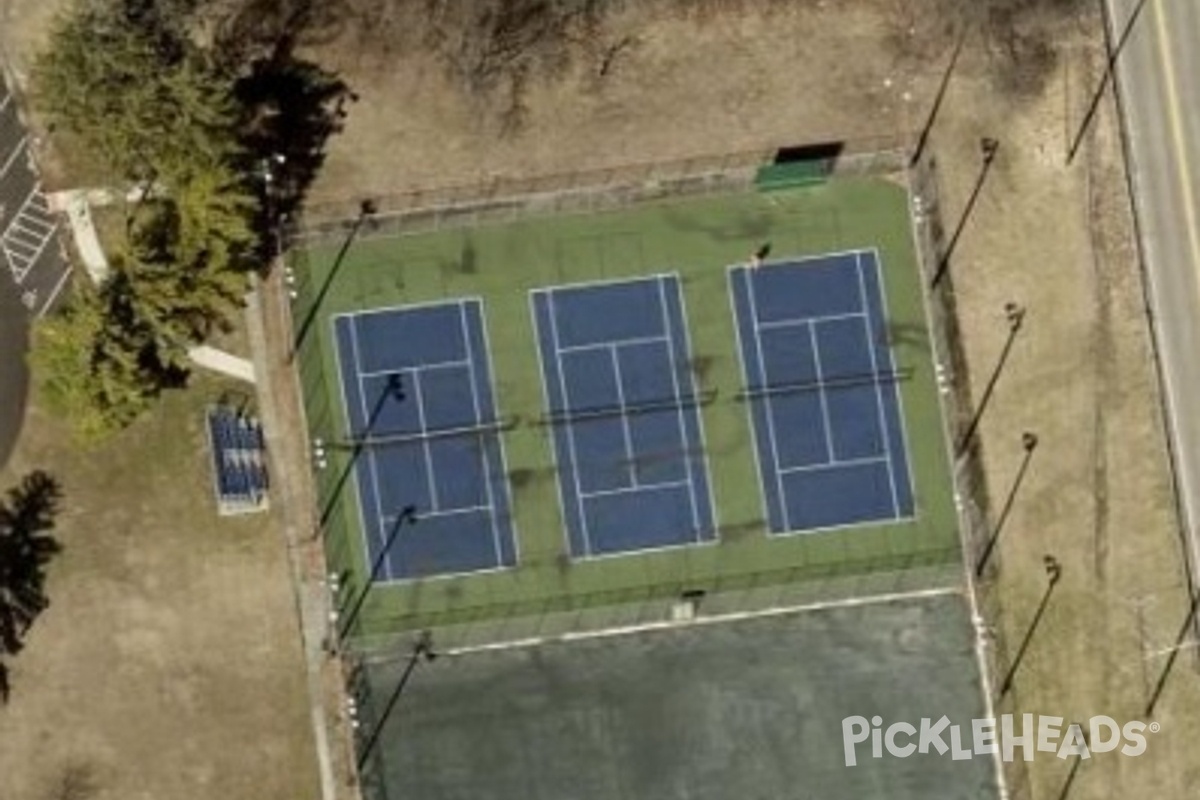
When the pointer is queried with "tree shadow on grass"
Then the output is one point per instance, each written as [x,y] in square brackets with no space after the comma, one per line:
[26,547]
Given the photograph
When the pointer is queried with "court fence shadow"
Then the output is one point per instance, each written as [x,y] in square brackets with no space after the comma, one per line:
[977,515]
[504,198]
[488,620]
[27,516]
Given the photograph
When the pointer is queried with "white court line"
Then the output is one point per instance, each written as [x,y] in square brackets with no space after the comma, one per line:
[364,523]
[731,273]
[848,462]
[796,322]
[632,340]
[444,512]
[699,418]
[483,451]
[403,307]
[425,580]
[902,419]
[379,535]
[624,417]
[715,619]
[690,544]
[514,535]
[628,489]
[801,260]
[568,426]
[601,282]
[375,373]
[542,367]
[679,421]
[769,408]
[16,152]
[883,428]
[816,348]
[433,497]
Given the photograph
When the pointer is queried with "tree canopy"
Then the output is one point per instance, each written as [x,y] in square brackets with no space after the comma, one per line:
[161,113]
[26,547]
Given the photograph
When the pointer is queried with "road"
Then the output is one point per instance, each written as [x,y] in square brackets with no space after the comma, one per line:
[1158,71]
[33,271]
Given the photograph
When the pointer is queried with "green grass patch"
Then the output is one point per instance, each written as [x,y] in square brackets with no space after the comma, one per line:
[697,239]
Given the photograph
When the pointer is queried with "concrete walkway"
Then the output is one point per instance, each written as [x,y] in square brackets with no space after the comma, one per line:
[77,205]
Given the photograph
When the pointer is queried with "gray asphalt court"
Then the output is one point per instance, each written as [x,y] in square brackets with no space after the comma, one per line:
[732,710]
[30,252]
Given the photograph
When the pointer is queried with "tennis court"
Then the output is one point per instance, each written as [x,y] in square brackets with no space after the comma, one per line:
[822,391]
[577,429]
[623,405]
[750,709]
[421,414]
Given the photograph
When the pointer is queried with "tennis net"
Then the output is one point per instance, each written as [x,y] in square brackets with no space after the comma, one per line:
[484,429]
[608,411]
[843,382]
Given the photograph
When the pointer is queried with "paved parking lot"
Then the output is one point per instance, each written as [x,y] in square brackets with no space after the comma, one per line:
[30,249]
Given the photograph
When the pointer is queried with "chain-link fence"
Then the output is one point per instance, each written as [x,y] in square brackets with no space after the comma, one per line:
[855,571]
[505,199]
[970,484]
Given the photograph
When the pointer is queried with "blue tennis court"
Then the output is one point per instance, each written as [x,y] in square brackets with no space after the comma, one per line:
[623,407]
[420,399]
[822,390]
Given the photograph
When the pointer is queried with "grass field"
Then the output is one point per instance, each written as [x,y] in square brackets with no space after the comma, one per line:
[697,239]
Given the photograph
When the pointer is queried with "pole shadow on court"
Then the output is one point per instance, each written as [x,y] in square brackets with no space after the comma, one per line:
[393,390]
[366,210]
[422,650]
[1053,574]
[1110,67]
[408,515]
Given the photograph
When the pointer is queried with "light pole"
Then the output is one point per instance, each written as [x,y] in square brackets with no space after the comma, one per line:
[1053,574]
[927,128]
[267,166]
[1015,316]
[366,210]
[1029,442]
[393,390]
[1114,51]
[422,649]
[407,514]
[1172,653]
[988,147]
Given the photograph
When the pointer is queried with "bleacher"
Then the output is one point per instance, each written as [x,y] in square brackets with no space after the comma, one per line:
[237,446]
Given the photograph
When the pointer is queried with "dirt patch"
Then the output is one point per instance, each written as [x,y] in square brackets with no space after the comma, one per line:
[168,664]
[1057,239]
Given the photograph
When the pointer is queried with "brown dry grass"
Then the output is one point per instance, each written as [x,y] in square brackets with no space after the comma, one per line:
[1059,240]
[168,664]
[1052,237]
